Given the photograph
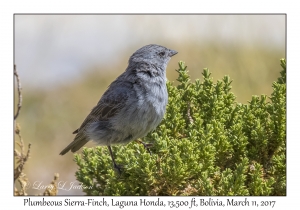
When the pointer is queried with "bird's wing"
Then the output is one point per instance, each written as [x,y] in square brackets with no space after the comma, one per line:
[103,111]
[113,100]
[108,106]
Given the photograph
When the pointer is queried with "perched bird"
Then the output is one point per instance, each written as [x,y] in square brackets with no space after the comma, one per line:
[132,106]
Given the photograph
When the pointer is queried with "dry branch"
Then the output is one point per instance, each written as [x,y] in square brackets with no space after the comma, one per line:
[19,92]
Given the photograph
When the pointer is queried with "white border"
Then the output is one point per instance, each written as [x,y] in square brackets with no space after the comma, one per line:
[8,8]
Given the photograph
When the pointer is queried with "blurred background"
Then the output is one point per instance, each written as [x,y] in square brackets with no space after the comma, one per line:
[66,62]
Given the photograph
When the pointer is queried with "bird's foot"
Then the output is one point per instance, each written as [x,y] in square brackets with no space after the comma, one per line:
[146,145]
[118,168]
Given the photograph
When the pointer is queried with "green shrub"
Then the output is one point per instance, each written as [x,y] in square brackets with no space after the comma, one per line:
[207,144]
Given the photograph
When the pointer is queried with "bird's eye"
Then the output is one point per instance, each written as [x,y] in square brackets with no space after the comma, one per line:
[161,54]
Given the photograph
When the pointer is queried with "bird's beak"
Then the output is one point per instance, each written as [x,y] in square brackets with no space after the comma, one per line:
[172,52]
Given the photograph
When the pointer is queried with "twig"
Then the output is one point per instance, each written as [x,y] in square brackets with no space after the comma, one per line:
[21,156]
[52,188]
[190,119]
[23,183]
[19,92]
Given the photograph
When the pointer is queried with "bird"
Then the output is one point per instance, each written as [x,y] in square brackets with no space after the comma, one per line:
[133,104]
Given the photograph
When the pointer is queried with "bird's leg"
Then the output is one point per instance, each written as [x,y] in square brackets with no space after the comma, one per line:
[146,145]
[118,168]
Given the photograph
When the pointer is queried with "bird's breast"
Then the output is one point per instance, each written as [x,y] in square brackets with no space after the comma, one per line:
[145,109]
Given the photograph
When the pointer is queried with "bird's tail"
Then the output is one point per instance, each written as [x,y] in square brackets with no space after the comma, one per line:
[75,145]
